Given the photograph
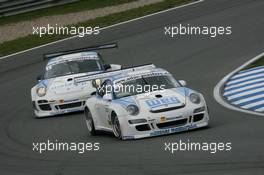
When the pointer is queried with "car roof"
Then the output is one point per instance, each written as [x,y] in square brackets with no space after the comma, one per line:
[74,56]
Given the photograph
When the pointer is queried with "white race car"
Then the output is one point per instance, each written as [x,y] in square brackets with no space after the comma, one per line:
[56,92]
[164,107]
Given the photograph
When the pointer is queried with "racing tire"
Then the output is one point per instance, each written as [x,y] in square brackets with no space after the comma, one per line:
[116,126]
[89,122]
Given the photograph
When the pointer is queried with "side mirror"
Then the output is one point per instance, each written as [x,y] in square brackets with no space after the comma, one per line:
[108,97]
[40,77]
[183,82]
[96,83]
[115,66]
[107,66]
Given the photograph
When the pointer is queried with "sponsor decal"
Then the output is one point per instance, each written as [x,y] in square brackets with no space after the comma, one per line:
[173,130]
[162,119]
[165,101]
[140,74]
[128,137]
[69,58]
[64,111]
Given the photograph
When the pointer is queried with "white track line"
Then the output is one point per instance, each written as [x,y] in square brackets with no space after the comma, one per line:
[245,83]
[247,99]
[217,90]
[114,25]
[245,78]
[243,88]
[260,109]
[248,73]
[253,104]
[245,93]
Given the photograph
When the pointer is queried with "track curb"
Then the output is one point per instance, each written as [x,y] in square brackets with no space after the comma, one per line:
[218,88]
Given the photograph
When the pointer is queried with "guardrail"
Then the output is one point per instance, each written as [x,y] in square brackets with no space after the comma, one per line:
[14,7]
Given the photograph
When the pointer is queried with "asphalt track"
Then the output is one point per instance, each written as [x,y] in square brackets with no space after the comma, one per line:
[200,60]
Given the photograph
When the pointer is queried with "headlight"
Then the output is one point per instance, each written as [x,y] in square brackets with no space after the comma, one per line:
[41,91]
[132,109]
[195,98]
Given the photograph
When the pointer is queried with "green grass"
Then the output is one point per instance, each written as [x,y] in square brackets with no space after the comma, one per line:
[81,5]
[33,40]
[259,62]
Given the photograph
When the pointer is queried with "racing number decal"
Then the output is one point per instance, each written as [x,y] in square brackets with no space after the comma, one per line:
[162,101]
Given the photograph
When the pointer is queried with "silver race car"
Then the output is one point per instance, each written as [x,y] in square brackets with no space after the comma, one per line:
[142,102]
[56,92]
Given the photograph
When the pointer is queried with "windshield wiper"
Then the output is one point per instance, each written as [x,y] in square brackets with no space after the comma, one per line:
[145,81]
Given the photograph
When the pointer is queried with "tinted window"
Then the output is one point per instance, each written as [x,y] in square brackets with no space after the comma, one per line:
[72,67]
[132,87]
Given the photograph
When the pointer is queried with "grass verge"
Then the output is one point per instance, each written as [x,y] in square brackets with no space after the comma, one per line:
[81,5]
[30,41]
[259,62]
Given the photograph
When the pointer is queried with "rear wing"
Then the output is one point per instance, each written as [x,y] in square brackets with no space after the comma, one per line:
[112,73]
[84,49]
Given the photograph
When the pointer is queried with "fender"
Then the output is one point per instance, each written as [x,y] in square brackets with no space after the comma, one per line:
[33,93]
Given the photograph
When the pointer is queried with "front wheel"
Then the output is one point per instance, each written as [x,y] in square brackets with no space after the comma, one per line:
[89,122]
[116,127]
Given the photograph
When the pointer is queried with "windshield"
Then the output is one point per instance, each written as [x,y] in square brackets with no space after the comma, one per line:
[72,67]
[144,85]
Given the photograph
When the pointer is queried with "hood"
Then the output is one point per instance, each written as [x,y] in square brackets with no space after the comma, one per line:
[158,100]
[65,85]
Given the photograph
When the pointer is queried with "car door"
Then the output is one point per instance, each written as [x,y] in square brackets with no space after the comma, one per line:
[102,105]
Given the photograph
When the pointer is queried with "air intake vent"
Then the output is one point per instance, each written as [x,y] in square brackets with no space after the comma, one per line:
[158,96]
[167,109]
[70,105]
[198,117]
[172,124]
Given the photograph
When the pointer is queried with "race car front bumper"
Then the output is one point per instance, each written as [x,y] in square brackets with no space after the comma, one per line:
[163,123]
[45,108]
